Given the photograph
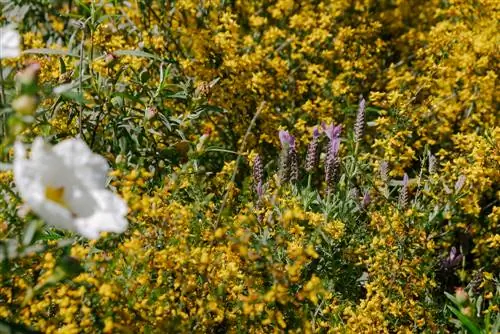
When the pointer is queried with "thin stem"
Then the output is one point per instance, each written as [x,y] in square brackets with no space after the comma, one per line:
[2,89]
[2,99]
[240,153]
[80,85]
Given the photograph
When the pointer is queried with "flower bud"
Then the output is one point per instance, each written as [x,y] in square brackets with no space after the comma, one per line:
[200,146]
[29,75]
[109,58]
[150,113]
[467,311]
[461,295]
[203,90]
[120,158]
[25,105]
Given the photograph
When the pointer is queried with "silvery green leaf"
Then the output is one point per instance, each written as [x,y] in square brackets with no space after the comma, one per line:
[8,249]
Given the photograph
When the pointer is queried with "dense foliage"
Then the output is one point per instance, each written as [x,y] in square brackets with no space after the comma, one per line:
[236,226]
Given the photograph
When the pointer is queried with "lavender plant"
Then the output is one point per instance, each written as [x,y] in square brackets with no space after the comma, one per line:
[403,194]
[359,126]
[289,168]
[312,159]
[332,161]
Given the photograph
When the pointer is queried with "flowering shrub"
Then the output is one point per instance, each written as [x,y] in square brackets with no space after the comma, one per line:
[312,166]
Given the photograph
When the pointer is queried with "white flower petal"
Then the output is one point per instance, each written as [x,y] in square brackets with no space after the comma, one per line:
[64,185]
[89,167]
[108,218]
[91,227]
[49,167]
[54,214]
[31,189]
[110,202]
[81,201]
[10,41]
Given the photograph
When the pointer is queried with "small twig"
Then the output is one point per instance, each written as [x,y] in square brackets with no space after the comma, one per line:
[2,101]
[80,85]
[240,153]
[279,48]
[2,89]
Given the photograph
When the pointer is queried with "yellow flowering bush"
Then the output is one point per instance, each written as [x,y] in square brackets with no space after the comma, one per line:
[250,209]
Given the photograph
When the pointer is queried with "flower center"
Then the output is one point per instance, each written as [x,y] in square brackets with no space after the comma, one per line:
[56,195]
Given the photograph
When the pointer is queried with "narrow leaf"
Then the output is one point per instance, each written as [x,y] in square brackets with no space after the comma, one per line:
[50,52]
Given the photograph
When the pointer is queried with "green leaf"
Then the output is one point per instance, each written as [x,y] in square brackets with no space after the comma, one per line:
[8,249]
[178,95]
[71,266]
[75,96]
[50,52]
[117,101]
[29,232]
[62,66]
[136,53]
[452,298]
[468,323]
[479,303]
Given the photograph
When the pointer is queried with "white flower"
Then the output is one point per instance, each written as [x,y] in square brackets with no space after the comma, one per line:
[65,185]
[9,43]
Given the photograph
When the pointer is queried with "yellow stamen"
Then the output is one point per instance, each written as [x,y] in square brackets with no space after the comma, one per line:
[56,195]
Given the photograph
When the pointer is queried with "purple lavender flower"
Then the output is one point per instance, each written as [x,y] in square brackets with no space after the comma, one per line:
[286,139]
[312,159]
[331,130]
[258,175]
[384,171]
[432,164]
[294,164]
[332,164]
[260,190]
[452,260]
[289,167]
[403,195]
[366,199]
[460,183]
[360,121]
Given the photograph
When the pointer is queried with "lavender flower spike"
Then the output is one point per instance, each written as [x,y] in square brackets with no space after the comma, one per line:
[294,164]
[432,163]
[403,195]
[258,175]
[360,121]
[366,199]
[286,139]
[332,164]
[452,260]
[289,168]
[331,130]
[460,183]
[384,171]
[312,159]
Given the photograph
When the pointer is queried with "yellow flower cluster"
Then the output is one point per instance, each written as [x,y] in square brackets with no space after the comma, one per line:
[169,88]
